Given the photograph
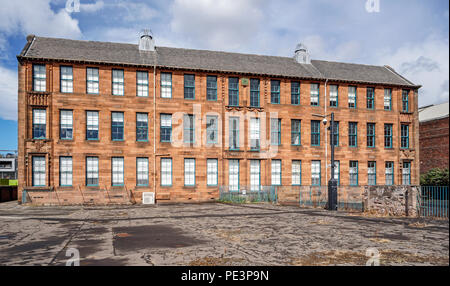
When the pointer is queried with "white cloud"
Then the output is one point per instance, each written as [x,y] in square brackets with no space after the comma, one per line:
[92,7]
[322,49]
[8,94]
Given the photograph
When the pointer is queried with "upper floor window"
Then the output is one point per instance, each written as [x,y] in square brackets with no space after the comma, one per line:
[66,127]
[334,96]
[234,133]
[92,81]
[275,131]
[405,100]
[189,128]
[352,134]
[92,125]
[211,87]
[254,134]
[39,123]
[233,91]
[295,93]
[315,132]
[404,129]
[370,98]
[189,86]
[387,99]
[39,78]
[387,135]
[254,92]
[212,132]
[315,94]
[370,135]
[142,83]
[65,171]
[166,85]
[66,74]
[141,127]
[336,133]
[275,91]
[117,125]
[352,96]
[117,82]
[166,127]
[296,132]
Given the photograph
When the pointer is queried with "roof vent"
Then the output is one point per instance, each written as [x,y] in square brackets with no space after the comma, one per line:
[302,54]
[146,42]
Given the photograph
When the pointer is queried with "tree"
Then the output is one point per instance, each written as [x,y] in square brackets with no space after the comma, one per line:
[435,177]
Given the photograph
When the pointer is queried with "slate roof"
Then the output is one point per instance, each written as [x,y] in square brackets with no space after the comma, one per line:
[129,54]
[434,112]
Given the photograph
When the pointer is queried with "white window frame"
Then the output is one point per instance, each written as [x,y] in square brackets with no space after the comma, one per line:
[39,171]
[117,171]
[142,171]
[66,80]
[118,82]
[92,80]
[65,171]
[255,175]
[212,166]
[233,175]
[39,78]
[296,172]
[92,170]
[189,172]
[142,83]
[166,172]
[276,172]
[166,85]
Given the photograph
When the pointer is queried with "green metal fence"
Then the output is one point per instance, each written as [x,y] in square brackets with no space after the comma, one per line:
[244,194]
[433,201]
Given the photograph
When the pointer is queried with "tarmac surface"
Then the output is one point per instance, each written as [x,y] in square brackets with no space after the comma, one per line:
[214,234]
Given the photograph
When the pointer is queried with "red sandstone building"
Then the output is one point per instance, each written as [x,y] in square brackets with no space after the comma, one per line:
[181,123]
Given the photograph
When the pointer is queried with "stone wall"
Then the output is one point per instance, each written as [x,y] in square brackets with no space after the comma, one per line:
[391,200]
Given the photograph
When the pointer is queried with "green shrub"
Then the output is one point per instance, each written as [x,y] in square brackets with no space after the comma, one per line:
[435,177]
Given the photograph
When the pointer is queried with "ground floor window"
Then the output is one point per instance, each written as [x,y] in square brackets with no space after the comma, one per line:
[315,173]
[38,171]
[353,173]
[372,173]
[142,171]
[189,172]
[389,173]
[255,175]
[117,171]
[406,173]
[166,171]
[92,171]
[212,172]
[296,173]
[233,175]
[65,171]
[337,172]
[276,172]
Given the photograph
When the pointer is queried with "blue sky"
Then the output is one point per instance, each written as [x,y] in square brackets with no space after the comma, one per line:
[409,35]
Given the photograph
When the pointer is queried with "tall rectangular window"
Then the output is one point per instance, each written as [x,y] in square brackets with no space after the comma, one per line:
[166,128]
[166,172]
[296,173]
[166,85]
[406,173]
[39,123]
[405,100]
[275,91]
[117,82]
[387,98]
[389,173]
[255,175]
[275,131]
[117,125]
[92,125]
[352,96]
[233,91]
[189,86]
[254,92]
[371,173]
[234,133]
[211,88]
[276,173]
[189,128]
[92,81]
[66,125]
[38,171]
[334,96]
[212,167]
[141,127]
[254,134]
[315,173]
[314,94]
[370,98]
[233,175]
[315,133]
[295,93]
[142,171]
[189,172]
[65,171]
[39,78]
[117,171]
[336,133]
[387,135]
[92,171]
[212,131]
[353,173]
[337,172]
[370,135]
[353,134]
[404,129]
[142,83]
[66,79]
[296,132]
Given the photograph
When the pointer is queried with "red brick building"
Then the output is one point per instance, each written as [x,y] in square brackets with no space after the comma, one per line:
[181,123]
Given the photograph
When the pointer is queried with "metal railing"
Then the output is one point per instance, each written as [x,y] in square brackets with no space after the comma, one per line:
[433,201]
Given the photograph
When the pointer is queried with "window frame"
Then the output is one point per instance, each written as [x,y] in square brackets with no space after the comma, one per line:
[190,129]
[61,111]
[68,81]
[90,81]
[403,137]
[254,187]
[113,172]
[234,132]
[37,77]
[278,173]
[214,172]
[338,170]
[371,176]
[95,171]
[143,86]
[405,100]
[41,172]
[389,174]
[118,82]
[141,128]
[296,173]
[187,86]
[276,132]
[142,172]
[65,173]
[165,88]
[295,94]
[313,94]
[230,174]
[188,172]
[297,132]
[211,88]
[352,135]
[354,97]
[39,127]
[232,90]
[356,174]
[336,133]
[212,129]
[337,96]
[315,173]
[275,97]
[388,136]
[91,126]
[389,93]
[254,92]
[255,133]
[119,127]
[370,136]
[406,174]
[163,127]
[164,173]
[370,98]
[314,133]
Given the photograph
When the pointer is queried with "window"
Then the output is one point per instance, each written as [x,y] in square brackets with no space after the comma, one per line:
[315,94]
[92,125]
[189,172]
[352,134]
[405,100]
[370,98]
[142,83]
[389,173]
[387,98]
[189,86]
[296,132]
[275,131]
[387,135]
[315,133]
[142,171]
[211,88]
[65,171]
[117,126]
[66,127]
[254,134]
[296,173]
[92,171]
[295,93]
[406,173]
[166,85]
[315,173]
[370,135]
[212,166]
[38,171]
[233,175]
[117,171]
[141,127]
[336,134]
[117,82]
[166,172]
[166,127]
[92,81]
[39,123]
[276,173]
[255,175]
[275,91]
[189,128]
[352,96]
[337,172]
[66,79]
[254,92]
[212,132]
[404,136]
[234,133]
[372,173]
[233,91]
[353,173]
[39,78]
[333,95]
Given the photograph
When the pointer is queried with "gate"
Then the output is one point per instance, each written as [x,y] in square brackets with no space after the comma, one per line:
[433,201]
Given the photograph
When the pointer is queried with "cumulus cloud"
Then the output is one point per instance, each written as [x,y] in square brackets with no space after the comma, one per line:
[8,94]
[92,7]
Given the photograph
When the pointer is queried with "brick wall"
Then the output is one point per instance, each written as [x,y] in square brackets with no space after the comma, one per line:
[434,144]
